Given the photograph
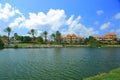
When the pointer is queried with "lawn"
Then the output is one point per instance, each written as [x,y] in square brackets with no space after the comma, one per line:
[32,45]
[112,75]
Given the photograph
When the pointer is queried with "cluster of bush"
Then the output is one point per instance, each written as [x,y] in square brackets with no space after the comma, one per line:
[1,44]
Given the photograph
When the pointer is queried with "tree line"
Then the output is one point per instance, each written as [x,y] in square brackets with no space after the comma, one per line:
[43,38]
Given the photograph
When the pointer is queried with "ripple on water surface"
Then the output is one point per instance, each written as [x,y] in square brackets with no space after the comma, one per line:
[56,63]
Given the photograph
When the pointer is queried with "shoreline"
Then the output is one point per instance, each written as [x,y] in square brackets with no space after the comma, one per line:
[111,75]
[57,46]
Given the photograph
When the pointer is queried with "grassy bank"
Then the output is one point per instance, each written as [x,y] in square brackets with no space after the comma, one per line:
[110,46]
[112,75]
[32,45]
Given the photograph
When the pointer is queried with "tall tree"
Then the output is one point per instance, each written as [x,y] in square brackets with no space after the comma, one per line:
[26,39]
[1,44]
[93,42]
[39,39]
[45,33]
[53,36]
[71,41]
[16,37]
[32,32]
[8,30]
[58,37]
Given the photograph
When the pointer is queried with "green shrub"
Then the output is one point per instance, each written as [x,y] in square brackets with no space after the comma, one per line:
[15,46]
[95,45]
[63,45]
[1,44]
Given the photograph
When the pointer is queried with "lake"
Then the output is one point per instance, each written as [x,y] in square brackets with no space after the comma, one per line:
[57,63]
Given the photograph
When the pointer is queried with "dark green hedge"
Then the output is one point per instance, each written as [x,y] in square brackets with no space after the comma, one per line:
[1,44]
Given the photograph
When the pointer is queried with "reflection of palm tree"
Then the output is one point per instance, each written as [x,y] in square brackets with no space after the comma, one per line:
[8,30]
[32,32]
[45,34]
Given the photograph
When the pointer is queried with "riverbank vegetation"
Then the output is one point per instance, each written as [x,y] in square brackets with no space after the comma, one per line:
[51,40]
[112,75]
[1,44]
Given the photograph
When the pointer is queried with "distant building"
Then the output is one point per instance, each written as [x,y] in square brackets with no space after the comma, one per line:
[108,38]
[15,41]
[5,42]
[71,39]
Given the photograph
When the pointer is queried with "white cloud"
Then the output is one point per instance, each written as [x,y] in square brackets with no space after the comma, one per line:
[112,30]
[117,16]
[100,12]
[76,27]
[105,26]
[1,32]
[118,30]
[17,22]
[7,11]
[96,23]
[52,21]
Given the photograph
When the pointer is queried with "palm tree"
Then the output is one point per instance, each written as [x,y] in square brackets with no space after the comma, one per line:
[45,34]
[8,30]
[53,35]
[58,37]
[15,36]
[32,32]
[71,41]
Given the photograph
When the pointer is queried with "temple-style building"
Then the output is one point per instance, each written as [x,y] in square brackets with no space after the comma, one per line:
[108,38]
[72,38]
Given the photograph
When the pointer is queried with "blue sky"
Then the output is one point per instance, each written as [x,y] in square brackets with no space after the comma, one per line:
[82,17]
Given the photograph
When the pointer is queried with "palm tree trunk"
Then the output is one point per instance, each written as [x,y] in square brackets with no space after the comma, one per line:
[45,38]
[8,39]
[33,37]
[70,39]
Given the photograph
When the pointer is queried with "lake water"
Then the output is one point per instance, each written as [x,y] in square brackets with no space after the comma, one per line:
[56,63]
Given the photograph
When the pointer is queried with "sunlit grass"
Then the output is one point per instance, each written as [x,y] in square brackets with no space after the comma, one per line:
[112,75]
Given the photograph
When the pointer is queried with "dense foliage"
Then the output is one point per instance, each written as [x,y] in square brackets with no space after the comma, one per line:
[56,38]
[93,42]
[8,30]
[1,44]
[26,39]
